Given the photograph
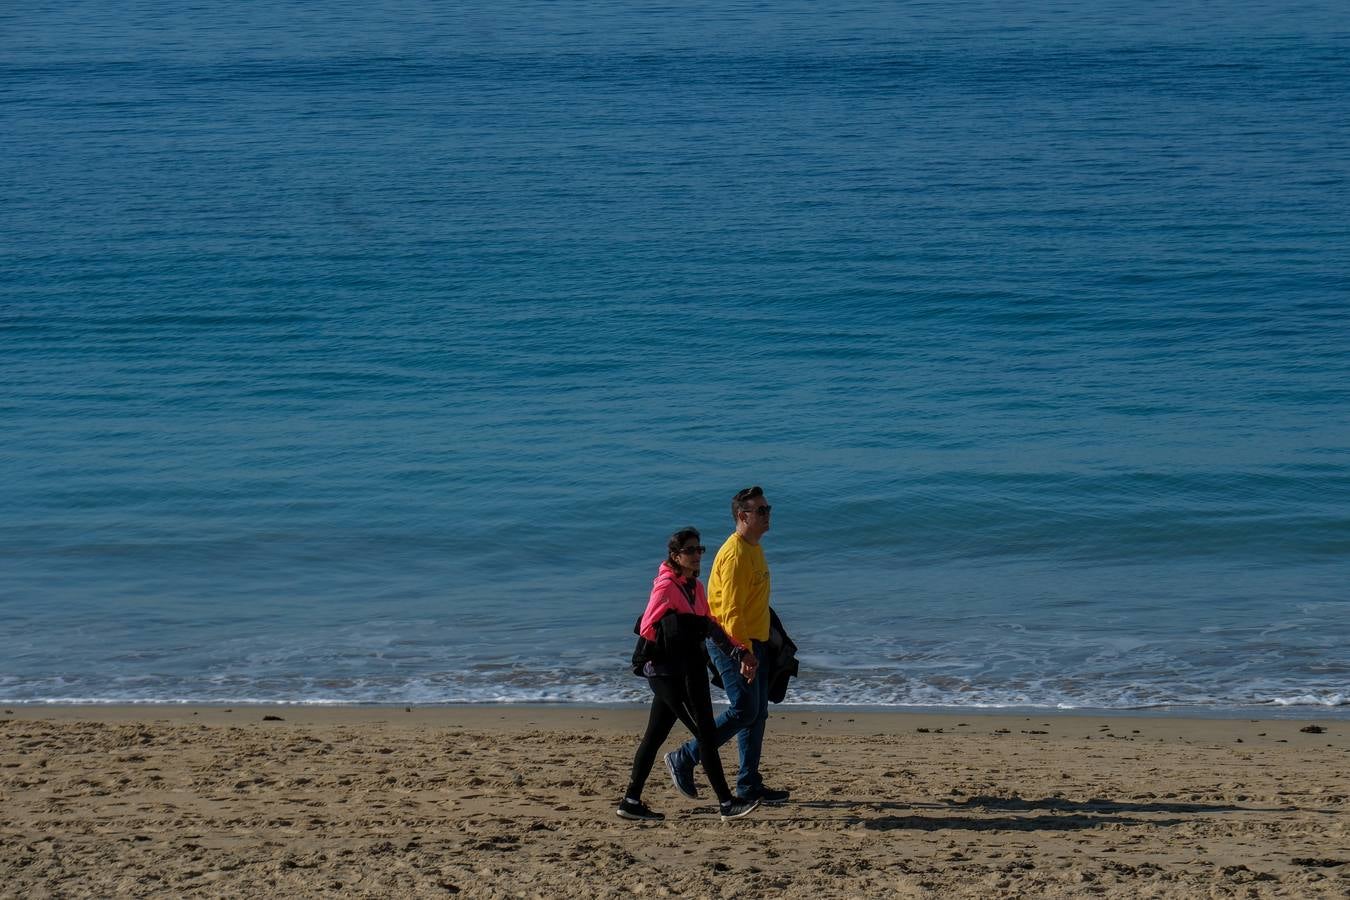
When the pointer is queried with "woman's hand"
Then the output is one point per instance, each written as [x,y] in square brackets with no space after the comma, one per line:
[749,665]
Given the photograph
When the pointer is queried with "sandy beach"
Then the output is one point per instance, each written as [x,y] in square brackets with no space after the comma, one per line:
[519,802]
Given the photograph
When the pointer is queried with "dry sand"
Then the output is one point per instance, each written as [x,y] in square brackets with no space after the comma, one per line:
[519,802]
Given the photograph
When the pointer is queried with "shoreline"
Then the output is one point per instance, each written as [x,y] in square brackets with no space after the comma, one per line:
[515,801]
[1280,713]
[630,719]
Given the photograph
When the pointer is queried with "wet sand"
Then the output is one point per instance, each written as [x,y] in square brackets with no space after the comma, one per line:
[519,802]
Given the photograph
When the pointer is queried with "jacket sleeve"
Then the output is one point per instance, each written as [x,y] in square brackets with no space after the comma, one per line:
[786,665]
[724,643]
[668,632]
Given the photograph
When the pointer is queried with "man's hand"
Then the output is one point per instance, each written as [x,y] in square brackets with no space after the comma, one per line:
[749,665]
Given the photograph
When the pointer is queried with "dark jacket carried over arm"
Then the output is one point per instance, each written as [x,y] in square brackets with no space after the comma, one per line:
[785,661]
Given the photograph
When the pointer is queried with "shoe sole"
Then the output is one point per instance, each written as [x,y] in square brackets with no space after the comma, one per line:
[754,806]
[670,769]
[634,817]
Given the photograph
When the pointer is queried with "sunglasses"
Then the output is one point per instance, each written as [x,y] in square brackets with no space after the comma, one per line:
[762,510]
[699,549]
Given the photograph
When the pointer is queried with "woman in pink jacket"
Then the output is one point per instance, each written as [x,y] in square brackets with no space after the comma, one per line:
[672,657]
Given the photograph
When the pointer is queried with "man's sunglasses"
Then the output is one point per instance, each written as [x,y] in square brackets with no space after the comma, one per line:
[762,510]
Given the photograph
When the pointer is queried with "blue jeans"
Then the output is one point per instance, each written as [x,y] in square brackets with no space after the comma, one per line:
[745,718]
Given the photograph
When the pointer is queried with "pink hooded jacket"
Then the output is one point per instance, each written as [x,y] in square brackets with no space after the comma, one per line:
[667,596]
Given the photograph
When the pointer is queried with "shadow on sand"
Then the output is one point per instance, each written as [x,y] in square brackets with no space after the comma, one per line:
[1052,813]
[1097,805]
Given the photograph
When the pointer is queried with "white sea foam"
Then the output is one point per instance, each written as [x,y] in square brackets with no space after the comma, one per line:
[528,685]
[1313,700]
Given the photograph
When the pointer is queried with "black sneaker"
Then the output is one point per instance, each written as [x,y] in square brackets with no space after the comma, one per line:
[737,807]
[637,811]
[683,779]
[770,796]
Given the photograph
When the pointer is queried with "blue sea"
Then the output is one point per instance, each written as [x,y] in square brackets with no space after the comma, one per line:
[369,352]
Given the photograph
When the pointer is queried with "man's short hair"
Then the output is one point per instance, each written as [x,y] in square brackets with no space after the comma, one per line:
[745,498]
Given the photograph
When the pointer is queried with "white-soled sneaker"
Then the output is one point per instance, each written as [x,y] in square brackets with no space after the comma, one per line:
[736,807]
[637,811]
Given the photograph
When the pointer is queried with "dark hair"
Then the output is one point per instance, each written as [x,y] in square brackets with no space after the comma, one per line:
[744,500]
[677,541]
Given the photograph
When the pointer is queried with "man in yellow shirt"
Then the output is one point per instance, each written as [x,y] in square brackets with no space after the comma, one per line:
[738,597]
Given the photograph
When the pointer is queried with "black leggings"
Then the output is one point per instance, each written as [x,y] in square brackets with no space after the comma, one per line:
[684,697]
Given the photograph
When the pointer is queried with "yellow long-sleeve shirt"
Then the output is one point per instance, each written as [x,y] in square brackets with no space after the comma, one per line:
[738,591]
